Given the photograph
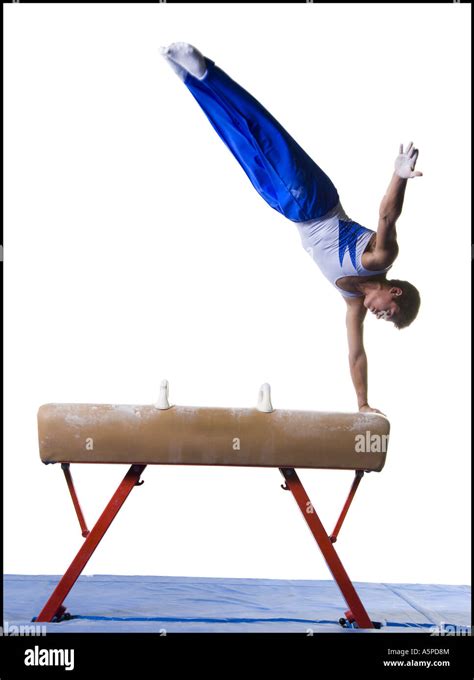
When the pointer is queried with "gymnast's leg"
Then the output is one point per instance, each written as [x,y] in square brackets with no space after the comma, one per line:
[279,169]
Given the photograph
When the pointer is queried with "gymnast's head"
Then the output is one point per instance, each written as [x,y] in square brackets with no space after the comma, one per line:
[394,300]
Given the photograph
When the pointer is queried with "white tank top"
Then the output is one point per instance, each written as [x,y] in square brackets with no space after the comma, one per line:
[336,243]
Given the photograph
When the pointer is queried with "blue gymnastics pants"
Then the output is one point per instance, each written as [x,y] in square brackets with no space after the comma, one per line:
[279,169]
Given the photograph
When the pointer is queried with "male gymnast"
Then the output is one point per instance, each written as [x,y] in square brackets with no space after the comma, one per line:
[353,258]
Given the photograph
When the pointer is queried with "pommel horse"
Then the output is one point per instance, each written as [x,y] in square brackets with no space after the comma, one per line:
[162,434]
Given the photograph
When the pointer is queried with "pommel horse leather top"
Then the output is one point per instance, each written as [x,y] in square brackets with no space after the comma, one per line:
[162,434]
[185,435]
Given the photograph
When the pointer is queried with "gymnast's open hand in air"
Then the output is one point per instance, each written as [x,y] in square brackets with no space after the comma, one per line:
[406,161]
[352,257]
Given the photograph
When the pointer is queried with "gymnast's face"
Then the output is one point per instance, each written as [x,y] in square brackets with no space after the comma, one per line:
[382,302]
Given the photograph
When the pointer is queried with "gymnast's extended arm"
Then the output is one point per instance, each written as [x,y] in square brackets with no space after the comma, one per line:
[386,246]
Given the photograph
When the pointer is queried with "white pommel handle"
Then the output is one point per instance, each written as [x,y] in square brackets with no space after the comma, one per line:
[264,402]
[163,402]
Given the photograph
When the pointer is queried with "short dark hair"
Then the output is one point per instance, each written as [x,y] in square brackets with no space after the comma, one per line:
[408,302]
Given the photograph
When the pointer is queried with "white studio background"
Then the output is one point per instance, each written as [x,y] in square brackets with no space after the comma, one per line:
[136,249]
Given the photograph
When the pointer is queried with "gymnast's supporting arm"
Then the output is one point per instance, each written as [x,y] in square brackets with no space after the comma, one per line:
[357,357]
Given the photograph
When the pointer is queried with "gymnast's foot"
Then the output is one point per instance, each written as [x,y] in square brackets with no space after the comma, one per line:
[185,57]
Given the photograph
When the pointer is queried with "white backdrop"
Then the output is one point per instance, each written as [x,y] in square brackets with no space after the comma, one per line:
[137,249]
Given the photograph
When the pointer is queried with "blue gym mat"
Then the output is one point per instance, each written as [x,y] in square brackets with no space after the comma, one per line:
[103,603]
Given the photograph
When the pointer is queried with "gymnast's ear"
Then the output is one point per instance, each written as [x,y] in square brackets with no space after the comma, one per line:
[395,291]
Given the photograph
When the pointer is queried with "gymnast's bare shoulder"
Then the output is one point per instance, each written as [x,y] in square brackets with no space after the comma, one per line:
[355,307]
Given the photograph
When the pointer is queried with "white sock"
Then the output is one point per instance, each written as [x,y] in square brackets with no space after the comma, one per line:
[180,72]
[187,57]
